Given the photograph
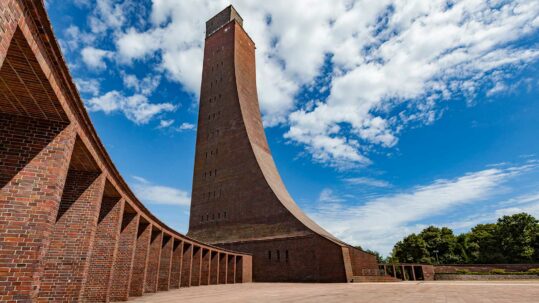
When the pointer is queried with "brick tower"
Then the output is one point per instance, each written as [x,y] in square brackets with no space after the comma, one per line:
[239,200]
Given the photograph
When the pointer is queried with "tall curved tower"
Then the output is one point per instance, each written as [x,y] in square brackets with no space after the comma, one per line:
[239,200]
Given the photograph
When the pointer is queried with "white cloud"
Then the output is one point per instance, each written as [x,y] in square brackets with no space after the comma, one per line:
[145,86]
[327,195]
[186,126]
[383,53]
[369,57]
[426,49]
[107,14]
[136,108]
[89,86]
[94,58]
[380,222]
[151,193]
[368,182]
[165,123]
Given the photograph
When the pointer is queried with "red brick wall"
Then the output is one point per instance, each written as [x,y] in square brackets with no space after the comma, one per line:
[196,266]
[363,264]
[214,268]
[187,264]
[231,270]
[152,271]
[205,268]
[176,266]
[104,250]
[122,270]
[310,259]
[483,267]
[33,166]
[140,263]
[66,261]
[165,263]
[223,264]
[59,229]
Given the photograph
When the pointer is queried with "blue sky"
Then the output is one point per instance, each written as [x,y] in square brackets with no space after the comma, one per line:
[383,118]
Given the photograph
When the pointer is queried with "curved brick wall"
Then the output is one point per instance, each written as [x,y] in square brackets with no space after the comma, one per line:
[70,227]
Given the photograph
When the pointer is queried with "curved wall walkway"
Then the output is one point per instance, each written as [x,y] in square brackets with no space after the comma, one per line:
[70,227]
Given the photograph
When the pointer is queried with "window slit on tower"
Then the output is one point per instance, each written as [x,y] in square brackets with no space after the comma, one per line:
[278,255]
[269,254]
[286,256]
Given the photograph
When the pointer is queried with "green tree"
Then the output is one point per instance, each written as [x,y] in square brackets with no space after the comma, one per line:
[442,244]
[483,244]
[412,249]
[517,237]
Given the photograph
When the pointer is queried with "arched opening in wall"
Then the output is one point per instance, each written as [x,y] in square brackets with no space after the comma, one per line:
[31,117]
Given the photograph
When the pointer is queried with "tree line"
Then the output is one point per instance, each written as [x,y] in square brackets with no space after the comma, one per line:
[512,239]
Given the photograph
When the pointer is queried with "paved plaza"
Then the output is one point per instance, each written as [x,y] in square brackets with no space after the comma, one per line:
[438,292]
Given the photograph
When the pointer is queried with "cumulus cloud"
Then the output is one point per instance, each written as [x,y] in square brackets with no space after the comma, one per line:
[151,193]
[136,108]
[375,56]
[381,222]
[87,86]
[94,58]
[367,69]
[145,86]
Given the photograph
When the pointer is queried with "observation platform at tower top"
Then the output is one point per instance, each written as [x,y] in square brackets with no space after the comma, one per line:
[221,19]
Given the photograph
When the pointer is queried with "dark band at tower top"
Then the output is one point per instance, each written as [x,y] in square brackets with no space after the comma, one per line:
[239,200]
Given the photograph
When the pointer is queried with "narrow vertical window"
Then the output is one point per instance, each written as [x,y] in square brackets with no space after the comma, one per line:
[218,216]
[278,255]
[269,254]
[286,256]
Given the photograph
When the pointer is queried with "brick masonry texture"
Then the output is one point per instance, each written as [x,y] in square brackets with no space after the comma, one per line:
[239,200]
[71,230]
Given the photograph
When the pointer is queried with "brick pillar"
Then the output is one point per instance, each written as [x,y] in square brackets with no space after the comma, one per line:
[66,261]
[98,281]
[140,262]
[187,264]
[34,160]
[152,273]
[214,268]
[231,270]
[197,265]
[223,264]
[123,266]
[239,270]
[413,272]
[205,267]
[247,269]
[165,263]
[176,266]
